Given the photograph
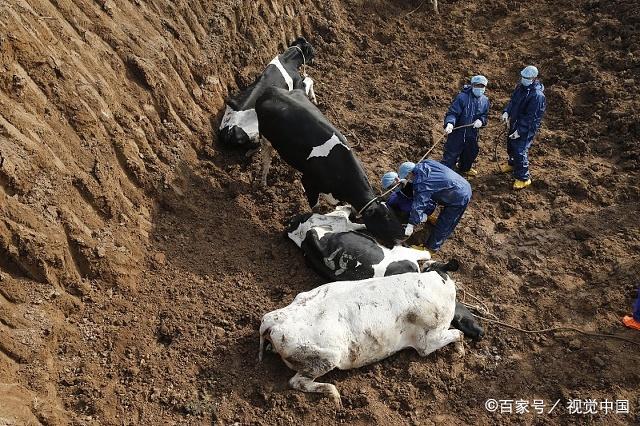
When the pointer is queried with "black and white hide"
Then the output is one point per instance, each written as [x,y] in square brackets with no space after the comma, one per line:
[239,125]
[307,141]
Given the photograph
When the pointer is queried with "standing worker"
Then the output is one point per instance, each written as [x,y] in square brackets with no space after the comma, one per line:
[470,107]
[433,182]
[522,116]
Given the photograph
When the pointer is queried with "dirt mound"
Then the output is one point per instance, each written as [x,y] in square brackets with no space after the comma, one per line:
[137,257]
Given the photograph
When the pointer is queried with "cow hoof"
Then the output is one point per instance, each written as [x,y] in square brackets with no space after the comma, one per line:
[337,401]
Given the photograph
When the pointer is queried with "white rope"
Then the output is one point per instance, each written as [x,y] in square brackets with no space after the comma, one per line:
[367,205]
[304,61]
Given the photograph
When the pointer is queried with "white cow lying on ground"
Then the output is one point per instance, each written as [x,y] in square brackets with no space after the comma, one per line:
[348,324]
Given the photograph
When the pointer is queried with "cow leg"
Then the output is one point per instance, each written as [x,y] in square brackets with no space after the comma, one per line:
[261,349]
[436,339]
[307,384]
[308,88]
[310,191]
[267,156]
[435,5]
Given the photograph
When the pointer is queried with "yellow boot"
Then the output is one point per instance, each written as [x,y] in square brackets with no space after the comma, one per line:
[471,172]
[506,168]
[521,184]
[432,219]
[422,248]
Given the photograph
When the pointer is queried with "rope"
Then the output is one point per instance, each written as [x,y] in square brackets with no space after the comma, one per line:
[495,320]
[414,10]
[367,205]
[304,61]
[440,140]
[562,328]
[495,148]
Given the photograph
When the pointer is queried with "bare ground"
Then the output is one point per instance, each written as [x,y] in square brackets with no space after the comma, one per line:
[137,256]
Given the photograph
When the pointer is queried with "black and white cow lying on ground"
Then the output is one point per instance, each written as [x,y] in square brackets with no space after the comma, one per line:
[338,249]
[239,126]
[349,324]
[308,142]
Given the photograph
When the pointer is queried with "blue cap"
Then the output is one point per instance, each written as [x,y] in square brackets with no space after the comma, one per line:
[388,179]
[529,72]
[405,168]
[479,79]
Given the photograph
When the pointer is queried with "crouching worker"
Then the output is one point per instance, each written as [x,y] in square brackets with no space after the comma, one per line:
[433,182]
[401,199]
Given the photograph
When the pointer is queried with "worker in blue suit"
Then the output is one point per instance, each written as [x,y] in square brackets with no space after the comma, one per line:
[470,107]
[433,182]
[523,115]
[401,199]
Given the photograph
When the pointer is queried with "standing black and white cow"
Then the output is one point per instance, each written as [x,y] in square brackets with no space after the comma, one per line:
[239,126]
[307,141]
[339,250]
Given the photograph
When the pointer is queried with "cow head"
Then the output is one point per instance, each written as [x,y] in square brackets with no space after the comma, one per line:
[383,224]
[464,321]
[442,268]
[307,49]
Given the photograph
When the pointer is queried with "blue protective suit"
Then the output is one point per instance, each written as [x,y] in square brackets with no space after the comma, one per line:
[401,200]
[525,109]
[462,144]
[636,307]
[435,182]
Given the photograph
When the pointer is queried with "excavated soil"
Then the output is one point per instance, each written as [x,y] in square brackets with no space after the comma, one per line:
[137,256]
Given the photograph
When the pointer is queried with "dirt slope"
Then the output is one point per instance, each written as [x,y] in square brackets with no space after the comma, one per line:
[136,256]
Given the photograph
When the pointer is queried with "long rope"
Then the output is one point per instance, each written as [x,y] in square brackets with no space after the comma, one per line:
[440,140]
[414,10]
[484,310]
[562,328]
[304,60]
[495,149]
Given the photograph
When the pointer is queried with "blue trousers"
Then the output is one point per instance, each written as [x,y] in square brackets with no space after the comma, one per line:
[636,307]
[461,150]
[446,223]
[518,151]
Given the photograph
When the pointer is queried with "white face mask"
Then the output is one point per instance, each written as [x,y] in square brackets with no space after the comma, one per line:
[478,91]
[526,81]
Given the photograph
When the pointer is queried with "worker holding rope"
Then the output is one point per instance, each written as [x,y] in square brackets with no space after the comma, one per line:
[469,109]
[522,116]
[433,182]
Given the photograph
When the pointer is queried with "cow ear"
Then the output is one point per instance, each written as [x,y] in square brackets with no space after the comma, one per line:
[300,41]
